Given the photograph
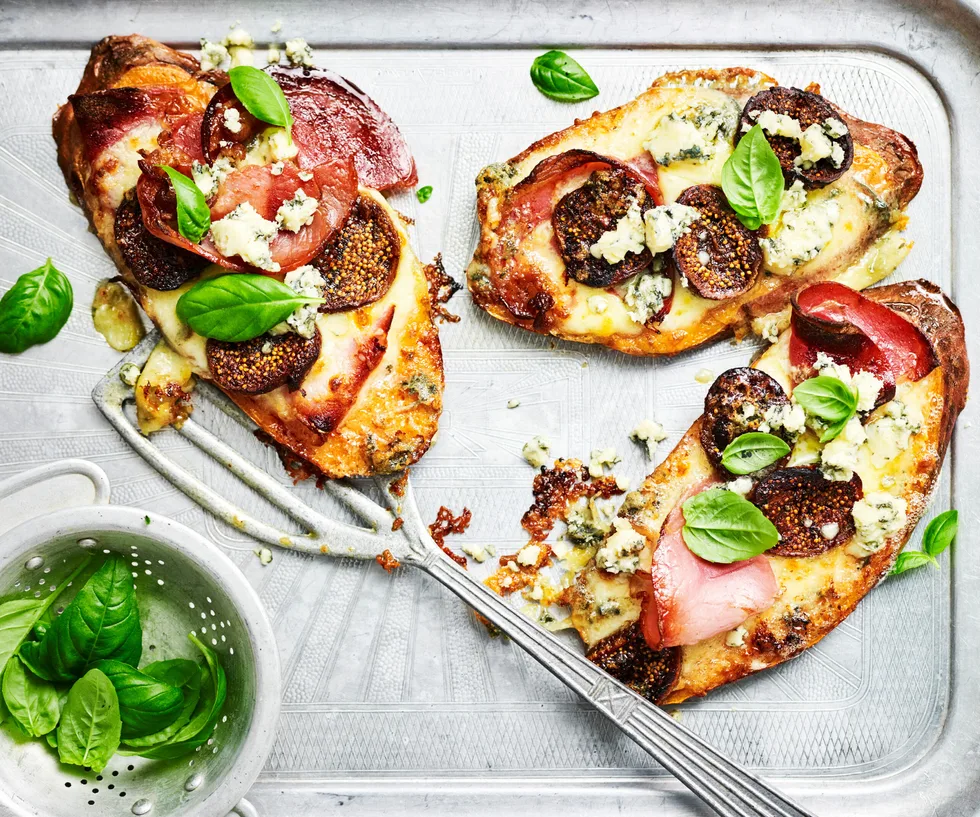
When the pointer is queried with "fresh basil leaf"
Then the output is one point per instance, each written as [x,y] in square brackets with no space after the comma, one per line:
[20,616]
[753,451]
[193,213]
[753,180]
[559,77]
[192,694]
[198,730]
[261,96]
[911,559]
[31,701]
[940,533]
[722,527]
[828,399]
[176,671]
[90,726]
[34,309]
[238,307]
[146,704]
[52,738]
[423,194]
[102,621]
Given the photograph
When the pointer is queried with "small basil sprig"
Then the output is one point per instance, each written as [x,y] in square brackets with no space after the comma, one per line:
[753,180]
[90,726]
[721,526]
[423,194]
[146,704]
[827,399]
[193,213]
[32,702]
[753,451]
[559,77]
[238,307]
[102,621]
[261,96]
[938,536]
[34,309]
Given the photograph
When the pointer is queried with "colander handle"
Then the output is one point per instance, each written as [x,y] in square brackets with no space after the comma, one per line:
[243,809]
[40,502]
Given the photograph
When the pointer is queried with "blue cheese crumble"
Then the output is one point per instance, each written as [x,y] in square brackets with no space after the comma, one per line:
[693,134]
[621,551]
[838,459]
[648,433]
[867,386]
[891,434]
[876,517]
[803,230]
[665,224]
[601,458]
[629,235]
[645,295]
[588,520]
[296,213]
[536,452]
[243,232]
[308,282]
[299,53]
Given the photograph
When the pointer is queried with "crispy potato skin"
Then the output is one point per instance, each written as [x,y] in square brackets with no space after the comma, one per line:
[817,593]
[886,163]
[388,427]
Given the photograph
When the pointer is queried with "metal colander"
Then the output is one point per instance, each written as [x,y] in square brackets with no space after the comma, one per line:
[184,585]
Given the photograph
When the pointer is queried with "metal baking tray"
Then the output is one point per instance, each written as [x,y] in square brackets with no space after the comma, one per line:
[395,698]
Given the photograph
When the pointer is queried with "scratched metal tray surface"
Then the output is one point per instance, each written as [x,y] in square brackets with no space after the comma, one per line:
[395,697]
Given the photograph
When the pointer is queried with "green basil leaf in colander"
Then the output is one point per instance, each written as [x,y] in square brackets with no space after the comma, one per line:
[192,695]
[200,727]
[102,621]
[32,702]
[88,734]
[19,616]
[177,671]
[146,704]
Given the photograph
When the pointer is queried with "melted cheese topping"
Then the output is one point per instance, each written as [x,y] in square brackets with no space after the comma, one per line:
[853,202]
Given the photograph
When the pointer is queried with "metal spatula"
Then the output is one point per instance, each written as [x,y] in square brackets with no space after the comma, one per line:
[727,788]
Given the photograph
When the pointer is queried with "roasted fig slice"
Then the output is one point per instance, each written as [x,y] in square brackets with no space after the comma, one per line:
[719,256]
[584,214]
[811,512]
[359,264]
[153,262]
[808,109]
[737,402]
[227,127]
[626,656]
[264,363]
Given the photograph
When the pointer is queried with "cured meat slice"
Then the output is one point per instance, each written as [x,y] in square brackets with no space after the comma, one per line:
[334,119]
[693,599]
[857,332]
[326,397]
[334,184]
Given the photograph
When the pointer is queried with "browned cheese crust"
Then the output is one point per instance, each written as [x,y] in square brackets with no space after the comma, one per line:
[884,177]
[816,592]
[395,413]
